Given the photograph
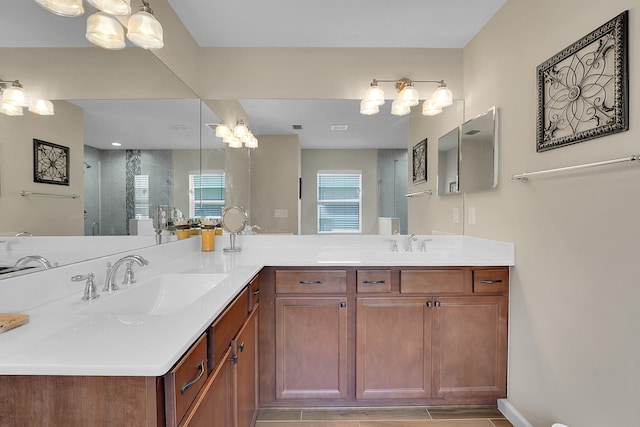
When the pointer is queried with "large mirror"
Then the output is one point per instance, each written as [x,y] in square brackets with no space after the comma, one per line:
[478,153]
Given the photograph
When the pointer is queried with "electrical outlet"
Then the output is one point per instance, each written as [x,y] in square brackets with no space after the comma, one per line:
[472,216]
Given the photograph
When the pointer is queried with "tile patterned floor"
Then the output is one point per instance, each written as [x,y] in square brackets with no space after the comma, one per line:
[465,416]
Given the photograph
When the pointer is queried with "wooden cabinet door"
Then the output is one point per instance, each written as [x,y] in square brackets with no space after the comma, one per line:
[311,347]
[393,348]
[246,369]
[470,346]
[213,408]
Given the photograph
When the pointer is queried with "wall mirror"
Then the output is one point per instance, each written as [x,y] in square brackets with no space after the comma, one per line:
[448,145]
[478,153]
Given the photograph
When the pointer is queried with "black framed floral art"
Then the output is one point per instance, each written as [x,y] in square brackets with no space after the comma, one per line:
[583,90]
[420,162]
[50,163]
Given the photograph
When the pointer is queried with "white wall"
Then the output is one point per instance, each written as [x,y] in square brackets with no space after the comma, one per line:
[574,326]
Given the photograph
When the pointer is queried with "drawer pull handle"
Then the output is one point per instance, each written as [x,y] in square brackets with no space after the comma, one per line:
[241,347]
[311,282]
[188,385]
[490,282]
[256,292]
[373,282]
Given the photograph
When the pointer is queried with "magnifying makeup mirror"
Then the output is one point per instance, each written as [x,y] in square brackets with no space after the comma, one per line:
[234,220]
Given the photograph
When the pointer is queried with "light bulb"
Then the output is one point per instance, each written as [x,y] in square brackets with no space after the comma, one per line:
[145,30]
[63,7]
[105,31]
[43,107]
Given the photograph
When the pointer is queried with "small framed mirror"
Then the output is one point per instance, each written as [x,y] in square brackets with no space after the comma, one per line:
[234,220]
[478,153]
[448,162]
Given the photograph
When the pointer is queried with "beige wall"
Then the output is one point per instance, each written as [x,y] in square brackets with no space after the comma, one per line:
[574,326]
[363,160]
[275,169]
[40,215]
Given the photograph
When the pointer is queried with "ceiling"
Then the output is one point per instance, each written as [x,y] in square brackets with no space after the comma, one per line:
[266,23]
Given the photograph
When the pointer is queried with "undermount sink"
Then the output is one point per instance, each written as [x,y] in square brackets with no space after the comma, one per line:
[164,294]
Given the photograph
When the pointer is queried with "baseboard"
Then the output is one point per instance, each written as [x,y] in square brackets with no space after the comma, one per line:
[512,414]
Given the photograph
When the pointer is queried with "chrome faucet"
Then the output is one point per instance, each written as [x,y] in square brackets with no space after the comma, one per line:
[410,239]
[110,285]
[42,260]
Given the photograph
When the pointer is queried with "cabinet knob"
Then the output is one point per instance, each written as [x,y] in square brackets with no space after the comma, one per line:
[343,304]
[429,304]
[437,303]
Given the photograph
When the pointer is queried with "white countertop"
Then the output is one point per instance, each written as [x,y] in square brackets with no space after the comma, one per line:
[63,338]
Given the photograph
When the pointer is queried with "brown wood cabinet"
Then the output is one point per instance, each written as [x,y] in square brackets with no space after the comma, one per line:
[206,387]
[396,336]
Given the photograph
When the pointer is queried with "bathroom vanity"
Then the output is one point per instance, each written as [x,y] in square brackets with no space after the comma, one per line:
[288,321]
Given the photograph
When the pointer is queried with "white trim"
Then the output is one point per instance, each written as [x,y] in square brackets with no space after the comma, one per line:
[512,414]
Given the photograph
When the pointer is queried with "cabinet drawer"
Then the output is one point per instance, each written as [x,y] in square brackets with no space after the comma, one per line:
[432,281]
[490,281]
[311,281]
[254,292]
[184,381]
[226,328]
[373,281]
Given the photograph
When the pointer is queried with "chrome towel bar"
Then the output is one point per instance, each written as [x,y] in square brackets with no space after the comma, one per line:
[419,193]
[65,196]
[524,177]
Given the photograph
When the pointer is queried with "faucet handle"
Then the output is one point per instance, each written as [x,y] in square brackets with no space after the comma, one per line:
[394,244]
[423,245]
[108,287]
[129,277]
[90,289]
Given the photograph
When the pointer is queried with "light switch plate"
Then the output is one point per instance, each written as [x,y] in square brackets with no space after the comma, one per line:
[472,216]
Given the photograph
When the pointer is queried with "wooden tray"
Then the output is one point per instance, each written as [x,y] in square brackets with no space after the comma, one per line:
[10,321]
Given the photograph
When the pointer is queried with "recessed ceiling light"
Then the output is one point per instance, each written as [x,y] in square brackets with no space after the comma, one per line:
[339,127]
[116,144]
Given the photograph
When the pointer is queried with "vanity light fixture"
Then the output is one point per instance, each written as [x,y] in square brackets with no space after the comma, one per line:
[14,99]
[106,31]
[407,97]
[237,137]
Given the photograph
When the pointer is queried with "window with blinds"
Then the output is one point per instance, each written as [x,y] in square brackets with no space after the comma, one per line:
[206,195]
[339,202]
[141,196]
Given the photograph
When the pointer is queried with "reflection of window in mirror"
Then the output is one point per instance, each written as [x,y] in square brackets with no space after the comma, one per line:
[206,194]
[448,163]
[339,201]
[141,196]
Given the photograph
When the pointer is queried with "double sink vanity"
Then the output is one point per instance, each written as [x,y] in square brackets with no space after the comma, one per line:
[290,321]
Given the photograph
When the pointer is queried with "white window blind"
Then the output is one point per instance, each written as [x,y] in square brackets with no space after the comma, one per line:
[141,196]
[206,195]
[339,202]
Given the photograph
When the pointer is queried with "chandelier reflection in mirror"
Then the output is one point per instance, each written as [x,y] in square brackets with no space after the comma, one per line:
[407,97]
[236,137]
[104,28]
[15,99]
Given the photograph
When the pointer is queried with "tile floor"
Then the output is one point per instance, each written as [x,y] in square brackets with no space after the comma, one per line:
[465,416]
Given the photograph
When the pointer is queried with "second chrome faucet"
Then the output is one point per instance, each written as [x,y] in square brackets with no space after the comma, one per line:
[112,271]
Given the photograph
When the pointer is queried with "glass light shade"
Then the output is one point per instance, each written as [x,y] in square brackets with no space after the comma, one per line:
[44,107]
[112,7]
[368,109]
[235,142]
[222,131]
[252,143]
[240,130]
[228,138]
[374,95]
[15,95]
[399,109]
[408,96]
[442,97]
[430,109]
[63,7]
[105,31]
[145,31]
[10,109]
